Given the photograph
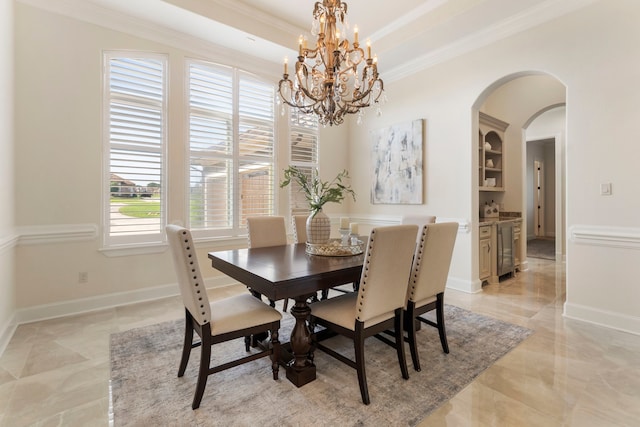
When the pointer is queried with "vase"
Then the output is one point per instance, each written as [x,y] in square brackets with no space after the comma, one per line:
[318,228]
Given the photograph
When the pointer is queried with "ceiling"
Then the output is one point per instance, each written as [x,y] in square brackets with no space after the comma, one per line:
[406,39]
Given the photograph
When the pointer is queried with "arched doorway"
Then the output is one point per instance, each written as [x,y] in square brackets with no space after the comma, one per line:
[516,99]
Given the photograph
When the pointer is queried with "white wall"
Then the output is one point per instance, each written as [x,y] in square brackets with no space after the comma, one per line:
[58,135]
[7,237]
[59,163]
[597,65]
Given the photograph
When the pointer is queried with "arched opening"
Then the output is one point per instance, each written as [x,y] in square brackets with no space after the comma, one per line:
[514,101]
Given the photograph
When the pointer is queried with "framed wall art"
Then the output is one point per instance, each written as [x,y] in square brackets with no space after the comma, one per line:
[396,157]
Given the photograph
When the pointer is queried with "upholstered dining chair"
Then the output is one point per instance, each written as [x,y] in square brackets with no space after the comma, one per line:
[419,220]
[378,304]
[223,320]
[428,281]
[300,228]
[263,231]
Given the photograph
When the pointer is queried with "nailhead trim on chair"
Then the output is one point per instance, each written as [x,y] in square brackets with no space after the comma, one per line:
[419,255]
[186,247]
[363,284]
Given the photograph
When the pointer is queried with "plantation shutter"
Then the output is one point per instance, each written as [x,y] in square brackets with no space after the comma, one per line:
[211,147]
[304,155]
[231,140]
[136,136]
[256,142]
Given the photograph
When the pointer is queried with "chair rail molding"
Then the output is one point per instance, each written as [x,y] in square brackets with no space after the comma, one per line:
[613,236]
[39,234]
[8,242]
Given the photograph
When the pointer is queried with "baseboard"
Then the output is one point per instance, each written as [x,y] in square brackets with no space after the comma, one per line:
[85,305]
[468,286]
[607,319]
[6,333]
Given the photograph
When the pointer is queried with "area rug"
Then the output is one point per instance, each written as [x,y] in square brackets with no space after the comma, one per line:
[541,248]
[147,392]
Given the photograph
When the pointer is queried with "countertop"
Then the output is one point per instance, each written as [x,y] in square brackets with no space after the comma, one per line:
[491,221]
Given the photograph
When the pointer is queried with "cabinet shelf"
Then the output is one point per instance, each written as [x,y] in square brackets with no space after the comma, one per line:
[491,153]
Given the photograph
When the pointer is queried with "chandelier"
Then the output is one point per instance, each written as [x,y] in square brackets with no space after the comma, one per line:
[326,80]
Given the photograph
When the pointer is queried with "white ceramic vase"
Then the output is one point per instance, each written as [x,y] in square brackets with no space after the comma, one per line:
[318,228]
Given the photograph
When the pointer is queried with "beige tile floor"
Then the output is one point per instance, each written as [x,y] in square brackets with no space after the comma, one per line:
[56,372]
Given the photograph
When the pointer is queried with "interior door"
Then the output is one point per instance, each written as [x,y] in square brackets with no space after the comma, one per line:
[538,198]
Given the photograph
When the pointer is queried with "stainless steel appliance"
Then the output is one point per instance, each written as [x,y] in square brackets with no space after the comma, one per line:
[506,254]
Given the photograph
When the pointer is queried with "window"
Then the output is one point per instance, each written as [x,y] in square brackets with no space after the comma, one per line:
[135,116]
[304,155]
[231,148]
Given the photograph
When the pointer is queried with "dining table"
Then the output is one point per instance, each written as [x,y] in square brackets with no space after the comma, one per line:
[288,271]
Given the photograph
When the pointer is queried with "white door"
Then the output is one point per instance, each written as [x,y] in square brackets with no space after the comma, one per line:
[538,198]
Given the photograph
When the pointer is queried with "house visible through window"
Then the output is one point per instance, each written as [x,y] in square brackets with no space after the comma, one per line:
[135,122]
[231,148]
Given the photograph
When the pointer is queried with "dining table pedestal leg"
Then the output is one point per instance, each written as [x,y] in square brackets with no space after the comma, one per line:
[301,369]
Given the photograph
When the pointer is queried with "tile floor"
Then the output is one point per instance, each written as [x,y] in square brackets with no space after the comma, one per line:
[56,372]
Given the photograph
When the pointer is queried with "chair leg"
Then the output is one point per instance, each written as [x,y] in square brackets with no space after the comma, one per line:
[440,318]
[411,335]
[399,320]
[362,375]
[186,346]
[203,373]
[275,352]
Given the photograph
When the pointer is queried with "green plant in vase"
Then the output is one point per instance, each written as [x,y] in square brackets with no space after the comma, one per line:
[317,193]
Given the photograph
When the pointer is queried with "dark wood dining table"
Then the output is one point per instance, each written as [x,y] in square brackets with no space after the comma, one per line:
[288,271]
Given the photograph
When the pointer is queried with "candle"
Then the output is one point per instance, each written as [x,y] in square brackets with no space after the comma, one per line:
[369,49]
[344,222]
[355,34]
[286,61]
[353,227]
[300,46]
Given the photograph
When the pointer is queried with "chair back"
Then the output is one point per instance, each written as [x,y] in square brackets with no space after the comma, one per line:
[266,231]
[386,271]
[192,288]
[419,220]
[300,228]
[432,261]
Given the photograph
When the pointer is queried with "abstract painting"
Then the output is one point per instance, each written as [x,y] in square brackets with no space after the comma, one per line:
[396,157]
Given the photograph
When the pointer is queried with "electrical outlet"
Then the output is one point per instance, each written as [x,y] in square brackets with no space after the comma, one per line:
[83,277]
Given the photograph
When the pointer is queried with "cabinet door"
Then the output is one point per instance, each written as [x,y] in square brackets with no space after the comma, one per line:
[516,244]
[485,259]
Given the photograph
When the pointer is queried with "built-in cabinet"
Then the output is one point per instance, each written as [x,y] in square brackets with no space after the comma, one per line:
[485,252]
[488,248]
[491,153]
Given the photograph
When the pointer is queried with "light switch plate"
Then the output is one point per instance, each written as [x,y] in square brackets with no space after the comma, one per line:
[605,189]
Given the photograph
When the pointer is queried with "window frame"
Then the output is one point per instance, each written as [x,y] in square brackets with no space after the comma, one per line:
[141,241]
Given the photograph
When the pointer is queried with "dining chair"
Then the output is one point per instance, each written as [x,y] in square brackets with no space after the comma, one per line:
[264,231]
[378,304]
[419,220]
[300,228]
[222,320]
[428,281]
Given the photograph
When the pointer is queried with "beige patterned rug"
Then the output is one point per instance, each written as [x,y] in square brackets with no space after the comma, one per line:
[147,392]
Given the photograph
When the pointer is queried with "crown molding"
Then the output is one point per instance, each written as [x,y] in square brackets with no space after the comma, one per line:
[532,17]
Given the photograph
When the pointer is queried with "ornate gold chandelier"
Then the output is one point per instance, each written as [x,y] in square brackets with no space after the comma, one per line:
[326,80]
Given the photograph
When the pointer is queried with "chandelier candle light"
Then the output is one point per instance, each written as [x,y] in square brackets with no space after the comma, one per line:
[326,80]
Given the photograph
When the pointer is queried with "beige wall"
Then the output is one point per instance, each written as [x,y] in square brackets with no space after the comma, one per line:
[7,284]
[598,66]
[59,143]
[59,159]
